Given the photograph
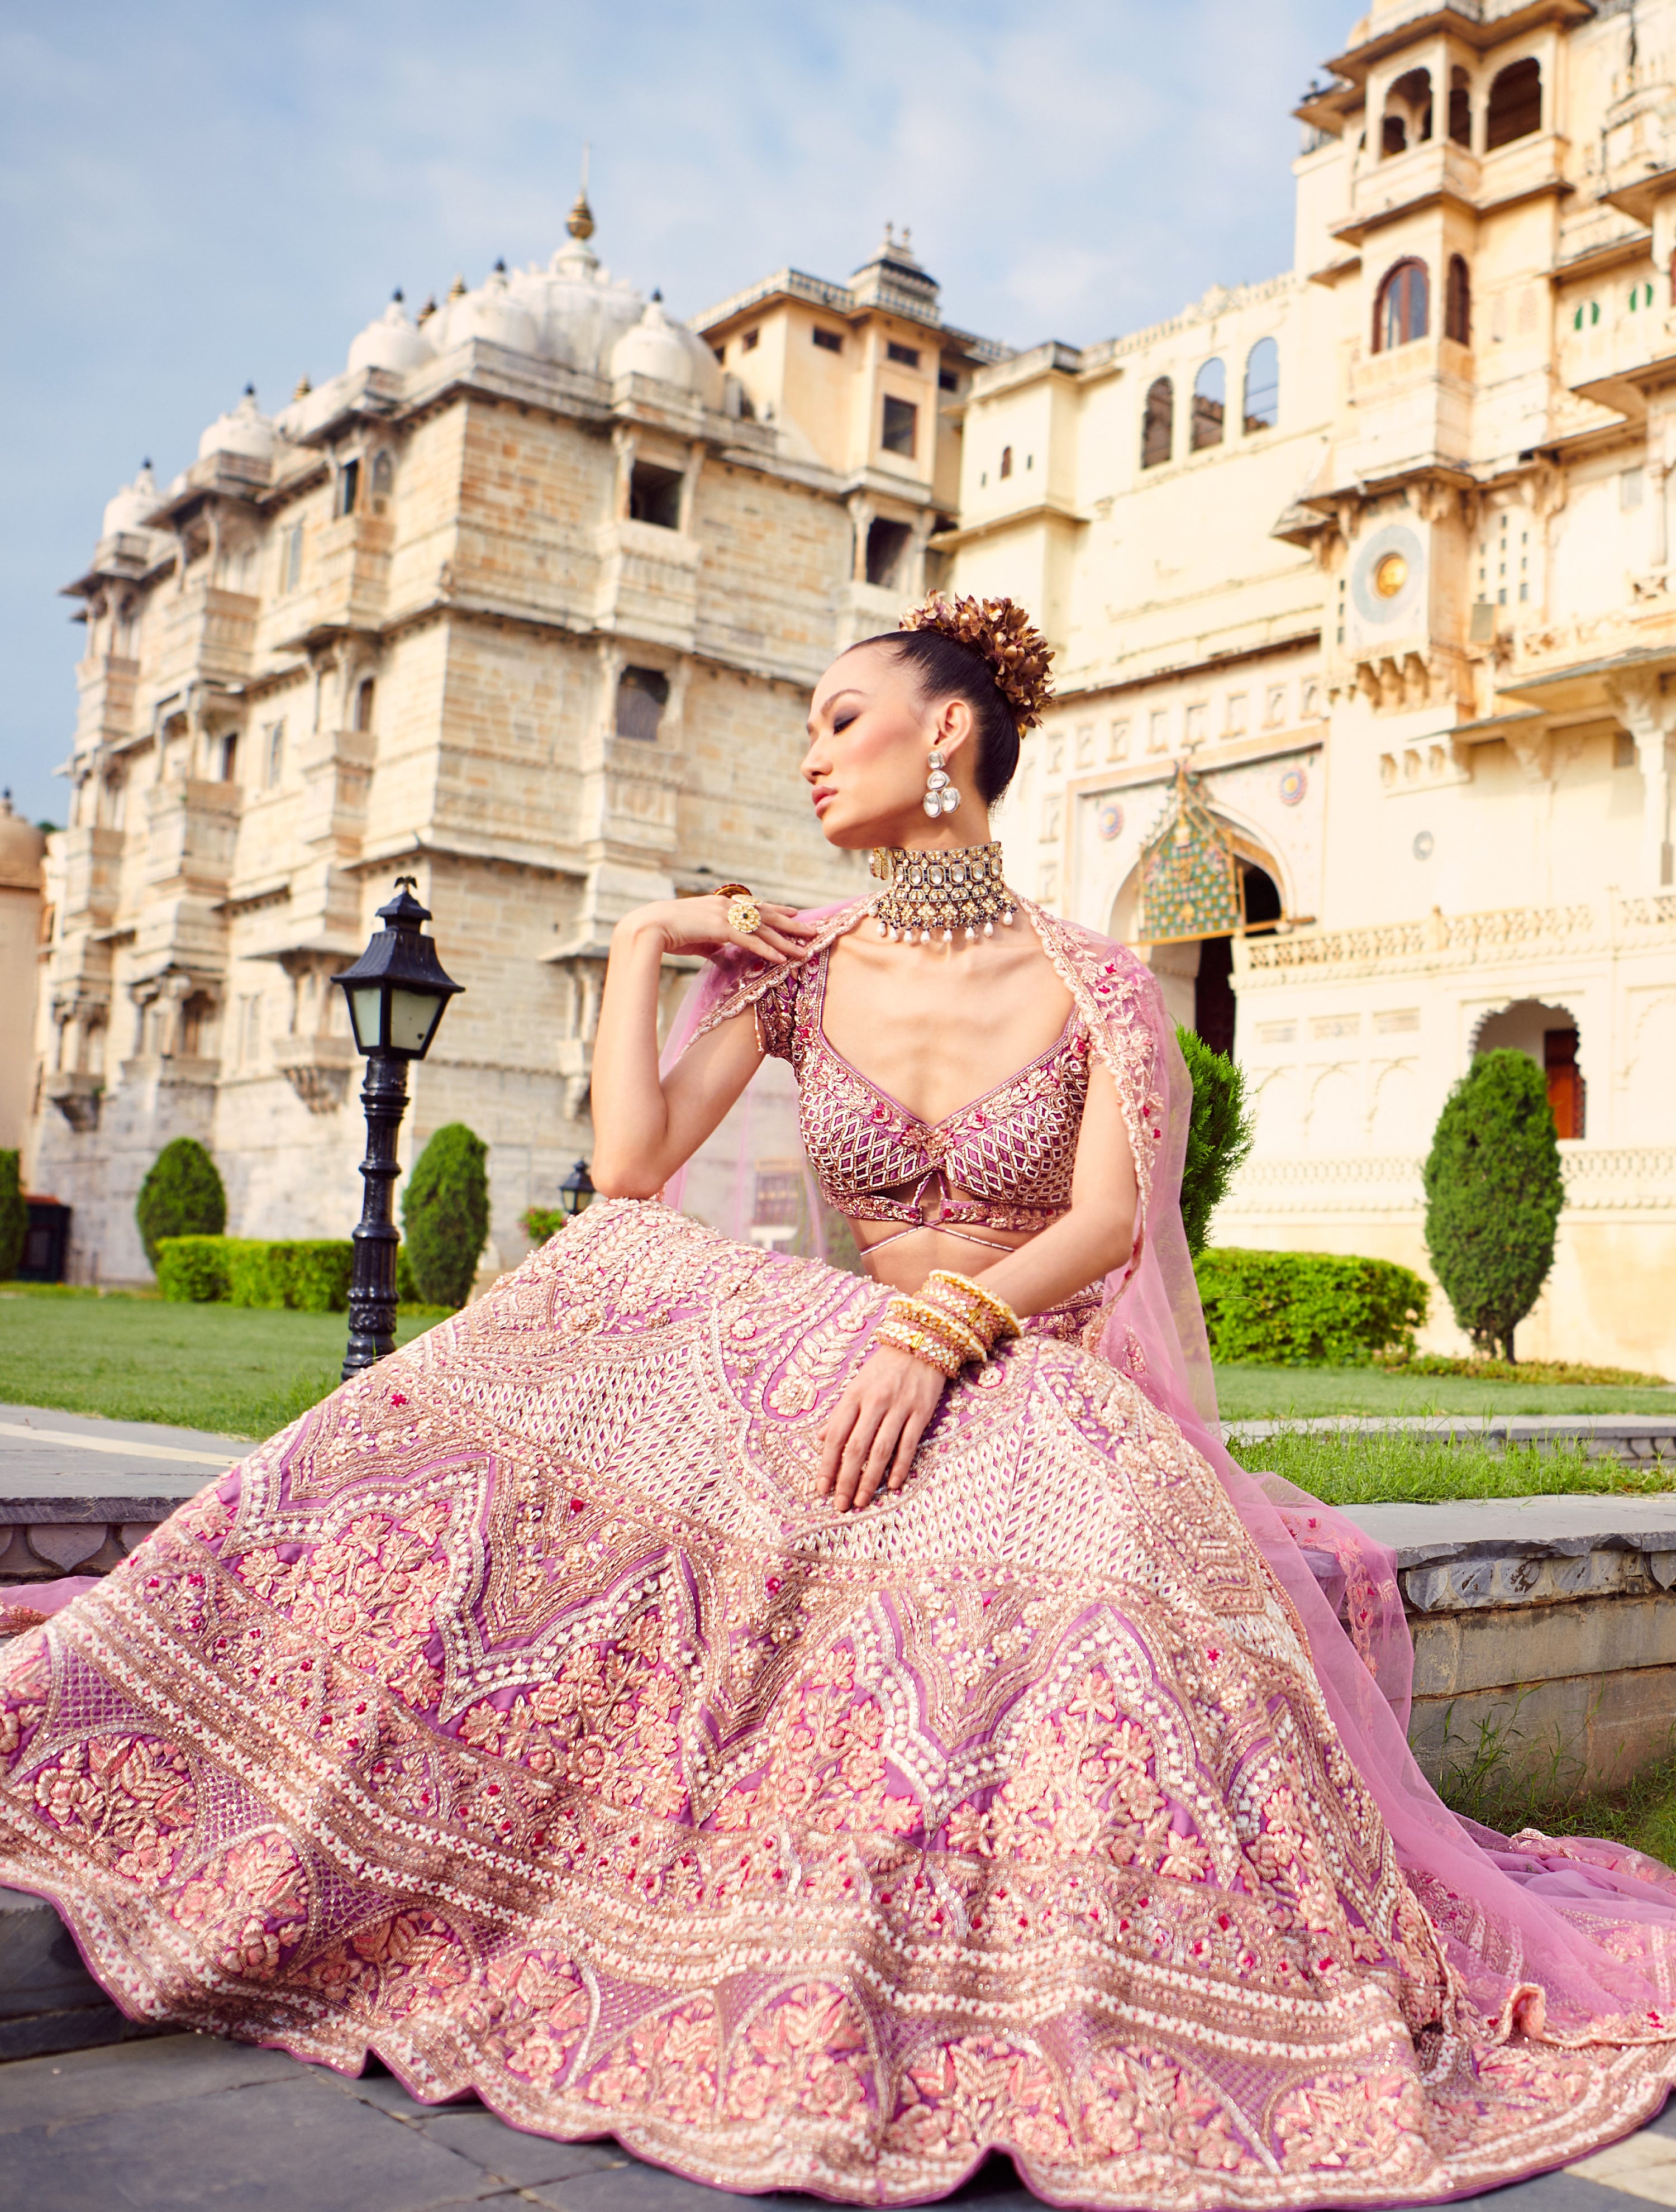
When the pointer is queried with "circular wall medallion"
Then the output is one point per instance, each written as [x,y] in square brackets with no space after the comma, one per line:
[1423,842]
[1109,819]
[1293,785]
[1387,577]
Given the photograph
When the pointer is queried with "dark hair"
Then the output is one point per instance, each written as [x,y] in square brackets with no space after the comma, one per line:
[948,668]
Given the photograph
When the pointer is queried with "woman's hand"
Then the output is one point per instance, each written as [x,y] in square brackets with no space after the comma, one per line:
[700,925]
[876,1427]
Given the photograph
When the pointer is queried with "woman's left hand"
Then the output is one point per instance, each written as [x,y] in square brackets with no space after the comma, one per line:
[876,1427]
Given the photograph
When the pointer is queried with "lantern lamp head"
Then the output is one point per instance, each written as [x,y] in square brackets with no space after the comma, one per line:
[396,991]
[576,1190]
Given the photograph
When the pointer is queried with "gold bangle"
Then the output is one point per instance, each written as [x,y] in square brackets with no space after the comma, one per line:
[976,1304]
[922,1346]
[919,1313]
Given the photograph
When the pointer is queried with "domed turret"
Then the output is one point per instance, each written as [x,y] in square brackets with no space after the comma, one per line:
[492,314]
[653,348]
[132,504]
[656,347]
[21,846]
[246,431]
[390,343]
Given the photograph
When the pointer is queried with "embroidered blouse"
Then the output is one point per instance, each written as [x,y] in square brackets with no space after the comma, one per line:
[1004,1161]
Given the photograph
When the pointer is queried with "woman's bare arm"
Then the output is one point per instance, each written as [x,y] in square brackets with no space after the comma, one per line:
[646,1126]
[1098,1232]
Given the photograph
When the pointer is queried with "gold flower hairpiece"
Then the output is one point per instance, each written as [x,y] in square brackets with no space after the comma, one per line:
[1020,658]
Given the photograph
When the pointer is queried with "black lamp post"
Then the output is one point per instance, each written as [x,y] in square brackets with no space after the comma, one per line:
[397,993]
[576,1190]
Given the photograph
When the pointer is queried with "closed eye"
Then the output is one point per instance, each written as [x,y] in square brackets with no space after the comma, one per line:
[843,722]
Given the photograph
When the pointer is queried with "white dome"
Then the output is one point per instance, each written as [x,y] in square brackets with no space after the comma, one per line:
[653,348]
[246,430]
[390,342]
[491,314]
[132,504]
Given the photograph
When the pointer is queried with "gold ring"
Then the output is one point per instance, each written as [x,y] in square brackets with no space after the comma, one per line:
[743,914]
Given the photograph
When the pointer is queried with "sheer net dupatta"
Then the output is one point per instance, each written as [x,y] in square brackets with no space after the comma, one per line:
[751,1179]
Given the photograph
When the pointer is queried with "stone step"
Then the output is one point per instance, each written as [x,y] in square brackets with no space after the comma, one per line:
[77,1493]
[1632,1437]
[48,2000]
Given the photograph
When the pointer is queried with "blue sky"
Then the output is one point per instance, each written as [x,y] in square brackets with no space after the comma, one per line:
[194,196]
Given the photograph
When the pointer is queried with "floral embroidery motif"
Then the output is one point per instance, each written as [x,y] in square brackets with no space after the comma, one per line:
[546,1733]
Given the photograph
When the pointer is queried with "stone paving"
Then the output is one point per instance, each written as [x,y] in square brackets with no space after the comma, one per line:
[191,2124]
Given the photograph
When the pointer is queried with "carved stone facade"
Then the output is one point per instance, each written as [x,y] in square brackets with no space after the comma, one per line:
[527,603]
[1382,548]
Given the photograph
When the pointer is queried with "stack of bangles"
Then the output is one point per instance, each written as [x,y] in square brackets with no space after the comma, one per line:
[953,1320]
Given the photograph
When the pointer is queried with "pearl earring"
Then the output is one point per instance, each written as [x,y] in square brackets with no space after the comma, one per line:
[941,797]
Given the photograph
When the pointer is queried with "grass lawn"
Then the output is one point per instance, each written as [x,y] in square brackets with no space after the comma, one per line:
[1386,1469]
[1248,1393]
[239,1371]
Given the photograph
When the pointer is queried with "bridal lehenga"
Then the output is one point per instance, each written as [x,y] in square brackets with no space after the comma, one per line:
[524,1716]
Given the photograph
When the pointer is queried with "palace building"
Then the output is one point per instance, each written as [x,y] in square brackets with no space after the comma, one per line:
[1362,579]
[526,603]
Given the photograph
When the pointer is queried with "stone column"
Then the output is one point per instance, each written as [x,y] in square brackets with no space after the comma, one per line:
[861,521]
[1648,711]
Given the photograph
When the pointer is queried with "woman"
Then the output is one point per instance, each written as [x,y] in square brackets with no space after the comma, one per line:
[818,1728]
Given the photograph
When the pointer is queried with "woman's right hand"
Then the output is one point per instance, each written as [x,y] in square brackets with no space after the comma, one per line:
[700,925]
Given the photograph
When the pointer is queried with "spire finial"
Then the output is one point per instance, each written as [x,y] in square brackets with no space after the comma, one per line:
[580,221]
[304,387]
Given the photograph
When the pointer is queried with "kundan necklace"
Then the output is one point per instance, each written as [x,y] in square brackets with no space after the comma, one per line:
[931,895]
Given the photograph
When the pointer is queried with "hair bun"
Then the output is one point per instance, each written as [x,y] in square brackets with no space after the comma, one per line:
[1019,658]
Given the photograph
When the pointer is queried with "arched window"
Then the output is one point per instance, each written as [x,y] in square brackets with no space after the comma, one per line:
[1461,107]
[1641,295]
[1158,432]
[1210,396]
[1261,410]
[1515,104]
[1458,302]
[1407,120]
[1006,461]
[1403,309]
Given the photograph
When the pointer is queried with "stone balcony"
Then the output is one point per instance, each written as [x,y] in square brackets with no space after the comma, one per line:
[89,858]
[318,1069]
[105,708]
[208,631]
[647,583]
[191,831]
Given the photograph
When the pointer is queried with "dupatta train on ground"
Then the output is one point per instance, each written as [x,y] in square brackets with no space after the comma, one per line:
[522,1713]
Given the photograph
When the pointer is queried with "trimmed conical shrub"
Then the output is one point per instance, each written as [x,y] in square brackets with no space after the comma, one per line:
[1220,1135]
[445,1215]
[181,1196]
[14,1216]
[1493,1196]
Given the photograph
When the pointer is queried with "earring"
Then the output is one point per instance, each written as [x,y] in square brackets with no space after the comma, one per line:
[941,797]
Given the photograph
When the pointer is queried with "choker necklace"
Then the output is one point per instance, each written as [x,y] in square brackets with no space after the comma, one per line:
[931,895]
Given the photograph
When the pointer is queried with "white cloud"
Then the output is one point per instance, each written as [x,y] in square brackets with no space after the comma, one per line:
[194,194]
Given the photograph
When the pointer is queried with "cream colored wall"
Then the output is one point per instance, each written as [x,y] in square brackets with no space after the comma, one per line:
[1537,872]
[20,931]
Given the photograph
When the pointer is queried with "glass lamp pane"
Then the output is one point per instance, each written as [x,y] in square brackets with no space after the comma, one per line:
[364,1007]
[411,1014]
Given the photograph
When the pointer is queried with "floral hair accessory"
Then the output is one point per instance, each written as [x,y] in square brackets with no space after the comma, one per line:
[1019,658]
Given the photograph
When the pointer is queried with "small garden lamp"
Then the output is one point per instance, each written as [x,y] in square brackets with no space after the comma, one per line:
[397,994]
[576,1190]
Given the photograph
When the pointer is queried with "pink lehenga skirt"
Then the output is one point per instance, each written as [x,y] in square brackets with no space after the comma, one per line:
[522,1714]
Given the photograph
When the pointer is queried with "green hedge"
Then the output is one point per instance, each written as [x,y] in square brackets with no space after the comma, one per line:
[14,1216]
[1307,1309]
[445,1215]
[181,1196]
[541,1222]
[309,1276]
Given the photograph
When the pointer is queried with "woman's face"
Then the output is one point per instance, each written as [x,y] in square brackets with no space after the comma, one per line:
[869,732]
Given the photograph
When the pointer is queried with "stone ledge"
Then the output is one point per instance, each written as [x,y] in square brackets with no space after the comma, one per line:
[1632,1437]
